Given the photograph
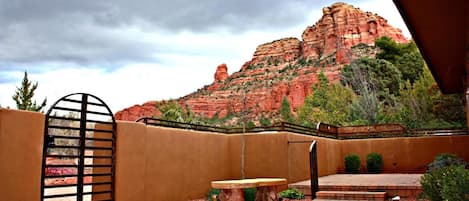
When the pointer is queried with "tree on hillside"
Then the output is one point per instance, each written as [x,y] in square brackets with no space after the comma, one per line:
[390,50]
[24,96]
[320,90]
[421,105]
[405,57]
[367,75]
[411,66]
[376,82]
[285,111]
[328,103]
[172,111]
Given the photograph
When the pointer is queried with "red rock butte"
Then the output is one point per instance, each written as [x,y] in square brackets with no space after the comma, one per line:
[286,67]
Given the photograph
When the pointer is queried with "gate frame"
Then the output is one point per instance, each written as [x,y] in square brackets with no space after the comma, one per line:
[82,139]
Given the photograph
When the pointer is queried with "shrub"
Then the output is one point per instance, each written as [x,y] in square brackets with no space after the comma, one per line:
[250,124]
[249,194]
[264,121]
[212,192]
[374,163]
[444,160]
[446,179]
[352,163]
[292,193]
[446,183]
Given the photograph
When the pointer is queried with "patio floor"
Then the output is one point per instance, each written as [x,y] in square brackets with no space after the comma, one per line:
[407,186]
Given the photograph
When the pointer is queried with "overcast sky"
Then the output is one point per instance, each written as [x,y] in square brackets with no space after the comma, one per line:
[131,51]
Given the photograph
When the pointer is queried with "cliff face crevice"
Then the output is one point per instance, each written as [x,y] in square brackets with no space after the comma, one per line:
[286,67]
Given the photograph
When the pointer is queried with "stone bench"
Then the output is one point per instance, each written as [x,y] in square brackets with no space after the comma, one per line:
[232,190]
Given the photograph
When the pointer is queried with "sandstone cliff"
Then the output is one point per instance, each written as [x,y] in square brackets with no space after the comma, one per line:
[286,67]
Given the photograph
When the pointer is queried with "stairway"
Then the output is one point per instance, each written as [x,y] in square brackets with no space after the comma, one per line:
[364,187]
[350,195]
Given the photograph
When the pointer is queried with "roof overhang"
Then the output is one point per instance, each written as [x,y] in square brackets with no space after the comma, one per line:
[439,28]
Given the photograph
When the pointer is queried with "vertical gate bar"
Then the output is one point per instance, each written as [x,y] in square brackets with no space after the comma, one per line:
[44,154]
[313,169]
[81,160]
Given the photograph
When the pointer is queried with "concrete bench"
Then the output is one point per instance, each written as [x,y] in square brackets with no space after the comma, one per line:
[232,190]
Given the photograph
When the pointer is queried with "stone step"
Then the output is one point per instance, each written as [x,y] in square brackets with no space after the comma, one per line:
[351,195]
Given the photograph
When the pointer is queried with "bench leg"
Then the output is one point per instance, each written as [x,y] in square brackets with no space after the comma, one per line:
[232,195]
[266,193]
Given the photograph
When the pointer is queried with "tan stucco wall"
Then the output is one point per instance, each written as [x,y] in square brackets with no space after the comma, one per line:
[181,164]
[130,161]
[328,153]
[155,163]
[406,154]
[21,137]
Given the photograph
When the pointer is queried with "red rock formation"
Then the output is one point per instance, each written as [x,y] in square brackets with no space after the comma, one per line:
[222,73]
[135,112]
[283,50]
[287,67]
[343,26]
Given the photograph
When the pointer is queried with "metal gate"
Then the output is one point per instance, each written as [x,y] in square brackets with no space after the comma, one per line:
[79,145]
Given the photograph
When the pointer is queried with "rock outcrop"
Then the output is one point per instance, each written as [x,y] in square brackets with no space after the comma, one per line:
[135,112]
[222,73]
[343,26]
[285,68]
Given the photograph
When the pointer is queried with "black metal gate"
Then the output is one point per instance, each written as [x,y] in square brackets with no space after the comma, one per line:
[79,145]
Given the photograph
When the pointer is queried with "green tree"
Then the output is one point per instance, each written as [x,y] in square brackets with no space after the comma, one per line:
[24,96]
[390,50]
[329,103]
[405,57]
[376,82]
[338,107]
[421,105]
[317,99]
[410,65]
[376,75]
[264,121]
[172,111]
[285,111]
[320,90]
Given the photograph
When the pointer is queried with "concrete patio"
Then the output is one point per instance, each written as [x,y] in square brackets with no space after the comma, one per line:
[364,186]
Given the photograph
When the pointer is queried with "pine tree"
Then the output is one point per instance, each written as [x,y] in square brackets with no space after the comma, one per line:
[24,96]
[285,111]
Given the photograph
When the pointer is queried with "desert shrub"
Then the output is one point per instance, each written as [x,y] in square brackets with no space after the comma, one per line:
[352,163]
[249,194]
[250,124]
[264,121]
[446,183]
[443,160]
[446,179]
[212,192]
[292,193]
[374,163]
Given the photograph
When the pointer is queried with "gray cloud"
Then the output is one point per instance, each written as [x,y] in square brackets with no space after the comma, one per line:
[90,31]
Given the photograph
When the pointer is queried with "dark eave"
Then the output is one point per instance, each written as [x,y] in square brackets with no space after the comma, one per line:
[439,29]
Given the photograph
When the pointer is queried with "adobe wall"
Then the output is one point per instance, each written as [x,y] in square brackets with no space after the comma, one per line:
[406,154]
[168,164]
[21,138]
[328,153]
